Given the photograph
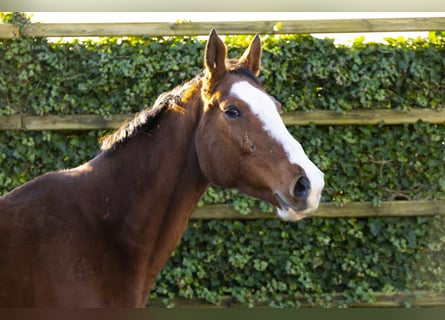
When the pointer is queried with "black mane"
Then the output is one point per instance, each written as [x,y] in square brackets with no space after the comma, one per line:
[144,121]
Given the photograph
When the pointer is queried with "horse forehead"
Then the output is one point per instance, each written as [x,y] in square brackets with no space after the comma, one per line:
[261,104]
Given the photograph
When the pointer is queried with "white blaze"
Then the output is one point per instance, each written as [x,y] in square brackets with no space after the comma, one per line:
[265,109]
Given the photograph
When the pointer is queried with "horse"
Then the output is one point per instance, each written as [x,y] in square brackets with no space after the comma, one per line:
[98,235]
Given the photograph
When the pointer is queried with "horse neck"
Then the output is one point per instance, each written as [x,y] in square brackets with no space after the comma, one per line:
[157,184]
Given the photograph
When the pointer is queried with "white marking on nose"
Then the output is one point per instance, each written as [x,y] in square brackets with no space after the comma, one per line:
[263,106]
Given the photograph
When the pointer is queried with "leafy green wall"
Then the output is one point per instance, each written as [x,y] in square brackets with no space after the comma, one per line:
[261,261]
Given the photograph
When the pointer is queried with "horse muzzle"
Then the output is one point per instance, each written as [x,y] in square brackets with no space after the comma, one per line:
[303,198]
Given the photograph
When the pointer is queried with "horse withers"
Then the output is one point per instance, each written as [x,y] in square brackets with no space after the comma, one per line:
[98,235]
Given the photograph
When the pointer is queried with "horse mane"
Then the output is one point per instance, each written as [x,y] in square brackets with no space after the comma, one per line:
[143,122]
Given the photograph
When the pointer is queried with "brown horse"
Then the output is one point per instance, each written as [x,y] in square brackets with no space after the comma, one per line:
[98,235]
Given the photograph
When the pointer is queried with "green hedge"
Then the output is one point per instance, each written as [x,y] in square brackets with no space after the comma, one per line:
[275,263]
[261,261]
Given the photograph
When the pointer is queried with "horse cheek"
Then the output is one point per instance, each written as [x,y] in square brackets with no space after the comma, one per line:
[217,157]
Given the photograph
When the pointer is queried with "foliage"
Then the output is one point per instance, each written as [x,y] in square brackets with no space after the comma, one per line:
[264,261]
[269,262]
[24,155]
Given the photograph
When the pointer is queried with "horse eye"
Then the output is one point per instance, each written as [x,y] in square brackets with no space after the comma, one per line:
[232,112]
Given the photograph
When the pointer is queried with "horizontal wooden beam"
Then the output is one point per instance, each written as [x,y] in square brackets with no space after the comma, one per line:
[356,117]
[227,27]
[13,122]
[331,210]
[8,31]
[383,300]
[364,117]
[73,122]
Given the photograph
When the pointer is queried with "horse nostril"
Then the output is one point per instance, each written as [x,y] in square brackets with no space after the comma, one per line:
[302,188]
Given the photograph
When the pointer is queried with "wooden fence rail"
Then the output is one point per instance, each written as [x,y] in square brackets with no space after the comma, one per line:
[232,27]
[331,210]
[356,117]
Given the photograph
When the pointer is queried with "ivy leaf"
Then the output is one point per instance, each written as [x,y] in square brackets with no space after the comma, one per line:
[375,228]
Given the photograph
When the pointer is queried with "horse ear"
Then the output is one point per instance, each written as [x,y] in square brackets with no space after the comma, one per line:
[251,59]
[215,55]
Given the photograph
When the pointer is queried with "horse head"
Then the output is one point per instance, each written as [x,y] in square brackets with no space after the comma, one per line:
[241,140]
